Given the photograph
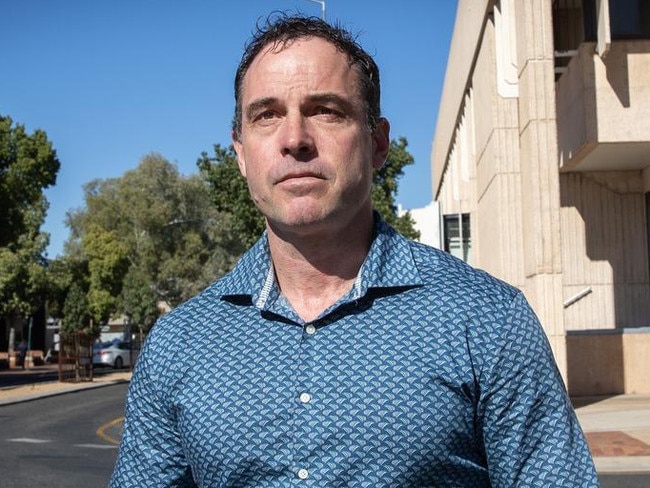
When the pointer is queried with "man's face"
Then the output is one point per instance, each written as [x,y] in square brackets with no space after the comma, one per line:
[305,147]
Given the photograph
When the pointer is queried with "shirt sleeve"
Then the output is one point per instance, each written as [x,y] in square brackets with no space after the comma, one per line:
[531,433]
[151,453]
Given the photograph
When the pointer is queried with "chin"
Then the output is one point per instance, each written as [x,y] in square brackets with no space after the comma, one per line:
[304,222]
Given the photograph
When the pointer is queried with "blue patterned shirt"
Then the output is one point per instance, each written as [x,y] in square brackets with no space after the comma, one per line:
[427,373]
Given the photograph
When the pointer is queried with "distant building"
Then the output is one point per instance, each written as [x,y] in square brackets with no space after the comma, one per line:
[427,223]
[541,167]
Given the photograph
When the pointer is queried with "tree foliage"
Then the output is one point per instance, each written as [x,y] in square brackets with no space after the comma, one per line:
[28,165]
[23,276]
[149,236]
[107,265]
[75,310]
[230,192]
[139,299]
[62,273]
[385,188]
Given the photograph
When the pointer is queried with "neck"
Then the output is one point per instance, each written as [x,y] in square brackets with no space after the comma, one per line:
[314,271]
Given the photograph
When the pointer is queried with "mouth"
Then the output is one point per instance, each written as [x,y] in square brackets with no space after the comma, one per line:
[300,176]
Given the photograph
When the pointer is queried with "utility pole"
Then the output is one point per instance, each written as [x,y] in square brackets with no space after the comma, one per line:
[28,356]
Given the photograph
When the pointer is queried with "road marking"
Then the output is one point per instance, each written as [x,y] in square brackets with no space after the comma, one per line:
[96,446]
[29,440]
[101,431]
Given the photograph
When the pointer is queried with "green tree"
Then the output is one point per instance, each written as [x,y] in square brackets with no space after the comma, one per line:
[75,310]
[230,191]
[107,265]
[28,165]
[62,273]
[230,194]
[23,277]
[151,235]
[385,188]
[139,299]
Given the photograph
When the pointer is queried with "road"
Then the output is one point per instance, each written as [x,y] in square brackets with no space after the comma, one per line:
[67,441]
[625,481]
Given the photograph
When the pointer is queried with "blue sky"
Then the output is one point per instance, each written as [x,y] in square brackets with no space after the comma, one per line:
[113,80]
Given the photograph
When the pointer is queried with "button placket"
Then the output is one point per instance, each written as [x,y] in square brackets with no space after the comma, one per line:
[304,398]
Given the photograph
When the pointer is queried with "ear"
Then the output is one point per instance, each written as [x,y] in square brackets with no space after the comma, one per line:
[239,150]
[380,143]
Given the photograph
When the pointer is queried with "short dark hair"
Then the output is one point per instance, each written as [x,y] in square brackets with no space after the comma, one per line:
[281,29]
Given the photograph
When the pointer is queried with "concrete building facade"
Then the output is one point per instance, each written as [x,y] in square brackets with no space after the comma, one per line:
[541,167]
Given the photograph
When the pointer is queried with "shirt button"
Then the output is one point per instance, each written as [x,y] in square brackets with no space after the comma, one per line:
[305,397]
[310,329]
[303,474]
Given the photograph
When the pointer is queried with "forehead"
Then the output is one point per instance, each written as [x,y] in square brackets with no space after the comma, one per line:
[303,61]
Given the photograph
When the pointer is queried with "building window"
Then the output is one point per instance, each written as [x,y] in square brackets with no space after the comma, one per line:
[590,21]
[628,19]
[458,240]
[569,25]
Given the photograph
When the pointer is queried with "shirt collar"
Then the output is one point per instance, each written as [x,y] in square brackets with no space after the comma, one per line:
[389,264]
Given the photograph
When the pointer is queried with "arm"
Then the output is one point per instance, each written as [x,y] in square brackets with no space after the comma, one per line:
[531,433]
[151,451]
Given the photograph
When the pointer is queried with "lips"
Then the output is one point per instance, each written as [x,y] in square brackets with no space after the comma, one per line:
[300,175]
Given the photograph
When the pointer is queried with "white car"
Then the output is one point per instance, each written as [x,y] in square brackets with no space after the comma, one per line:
[114,354]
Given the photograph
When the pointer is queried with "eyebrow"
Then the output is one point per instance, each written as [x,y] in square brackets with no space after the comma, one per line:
[257,105]
[326,97]
[332,98]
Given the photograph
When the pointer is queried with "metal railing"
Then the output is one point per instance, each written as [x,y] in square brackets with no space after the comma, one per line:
[75,357]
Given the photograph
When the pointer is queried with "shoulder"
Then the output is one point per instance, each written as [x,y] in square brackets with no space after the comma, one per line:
[171,345]
[237,286]
[181,321]
[440,270]
[188,322]
[443,280]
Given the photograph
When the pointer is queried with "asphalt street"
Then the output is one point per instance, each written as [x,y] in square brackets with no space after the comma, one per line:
[625,481]
[67,441]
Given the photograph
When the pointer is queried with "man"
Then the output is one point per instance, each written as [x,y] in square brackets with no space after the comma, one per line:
[337,352]
[22,353]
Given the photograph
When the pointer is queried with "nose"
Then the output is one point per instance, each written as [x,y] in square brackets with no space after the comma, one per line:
[297,139]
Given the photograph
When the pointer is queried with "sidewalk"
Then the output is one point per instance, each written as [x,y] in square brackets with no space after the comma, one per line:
[32,391]
[617,428]
[618,431]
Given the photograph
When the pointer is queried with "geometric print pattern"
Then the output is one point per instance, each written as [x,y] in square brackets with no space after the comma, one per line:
[427,373]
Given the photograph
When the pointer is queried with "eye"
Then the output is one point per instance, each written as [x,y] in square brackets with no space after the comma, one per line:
[267,114]
[328,113]
[265,117]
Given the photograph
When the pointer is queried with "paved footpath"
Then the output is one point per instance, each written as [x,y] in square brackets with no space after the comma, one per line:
[39,389]
[617,427]
[618,431]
